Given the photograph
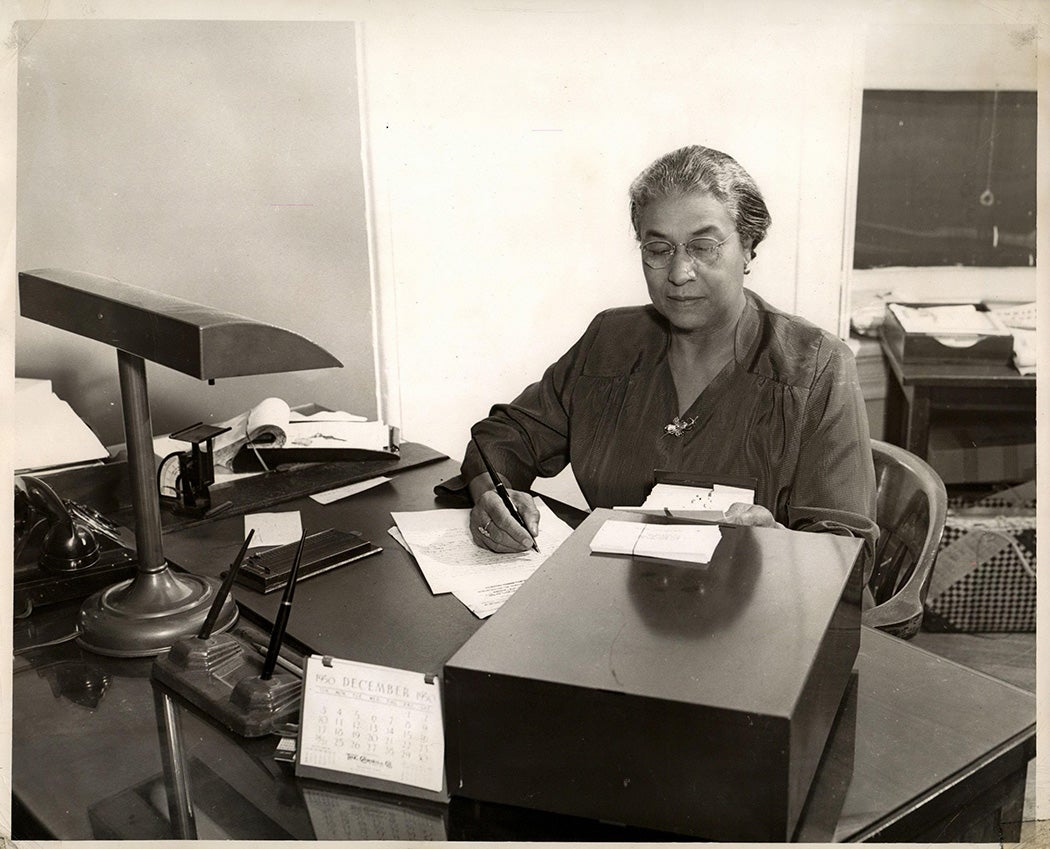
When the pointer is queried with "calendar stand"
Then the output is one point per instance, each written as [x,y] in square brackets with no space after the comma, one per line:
[397,720]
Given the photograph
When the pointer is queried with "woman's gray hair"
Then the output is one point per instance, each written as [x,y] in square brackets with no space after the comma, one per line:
[697,169]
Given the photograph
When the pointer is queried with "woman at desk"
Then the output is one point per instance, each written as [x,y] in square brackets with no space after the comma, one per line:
[707,379]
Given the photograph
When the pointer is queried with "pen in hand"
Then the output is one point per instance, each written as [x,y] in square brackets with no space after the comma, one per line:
[501,490]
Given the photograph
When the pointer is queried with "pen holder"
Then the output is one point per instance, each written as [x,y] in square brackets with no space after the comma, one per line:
[221,675]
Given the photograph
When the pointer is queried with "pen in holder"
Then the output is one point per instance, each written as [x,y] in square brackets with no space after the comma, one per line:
[224,676]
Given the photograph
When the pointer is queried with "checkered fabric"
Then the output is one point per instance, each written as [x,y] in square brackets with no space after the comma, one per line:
[997,592]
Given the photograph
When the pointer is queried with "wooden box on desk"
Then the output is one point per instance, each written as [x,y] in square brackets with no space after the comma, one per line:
[694,700]
[995,347]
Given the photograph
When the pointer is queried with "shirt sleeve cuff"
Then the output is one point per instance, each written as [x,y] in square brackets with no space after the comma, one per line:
[455,488]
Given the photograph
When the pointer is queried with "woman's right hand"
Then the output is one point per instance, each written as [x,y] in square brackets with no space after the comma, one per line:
[493,527]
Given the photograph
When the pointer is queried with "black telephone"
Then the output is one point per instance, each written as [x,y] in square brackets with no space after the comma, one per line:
[63,550]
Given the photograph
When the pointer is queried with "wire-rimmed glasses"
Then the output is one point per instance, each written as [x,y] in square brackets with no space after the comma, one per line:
[659,253]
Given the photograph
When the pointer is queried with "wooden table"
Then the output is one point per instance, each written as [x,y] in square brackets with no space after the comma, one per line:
[927,750]
[917,392]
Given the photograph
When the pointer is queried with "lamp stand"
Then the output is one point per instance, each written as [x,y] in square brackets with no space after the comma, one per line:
[145,615]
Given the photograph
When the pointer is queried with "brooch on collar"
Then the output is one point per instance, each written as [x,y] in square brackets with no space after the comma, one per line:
[679,426]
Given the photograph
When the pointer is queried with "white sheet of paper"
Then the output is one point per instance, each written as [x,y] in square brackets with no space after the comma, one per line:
[441,543]
[953,318]
[374,721]
[328,433]
[733,494]
[484,594]
[399,537]
[47,432]
[346,491]
[223,477]
[273,528]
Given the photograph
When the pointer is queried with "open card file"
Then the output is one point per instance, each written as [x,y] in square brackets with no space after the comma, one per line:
[680,543]
[677,498]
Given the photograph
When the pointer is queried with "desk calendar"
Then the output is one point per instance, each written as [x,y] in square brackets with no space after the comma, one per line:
[373,727]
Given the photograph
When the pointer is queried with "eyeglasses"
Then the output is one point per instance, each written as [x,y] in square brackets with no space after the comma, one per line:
[659,253]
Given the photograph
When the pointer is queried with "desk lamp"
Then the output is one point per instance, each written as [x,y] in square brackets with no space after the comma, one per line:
[144,615]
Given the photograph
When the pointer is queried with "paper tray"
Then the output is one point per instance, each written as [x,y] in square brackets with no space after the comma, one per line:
[943,347]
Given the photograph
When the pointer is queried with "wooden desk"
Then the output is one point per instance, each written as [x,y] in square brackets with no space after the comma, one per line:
[917,391]
[940,751]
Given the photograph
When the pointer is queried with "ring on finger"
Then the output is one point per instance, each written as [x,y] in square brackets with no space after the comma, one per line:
[484,529]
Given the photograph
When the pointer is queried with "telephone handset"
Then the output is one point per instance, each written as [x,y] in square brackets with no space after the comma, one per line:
[67,546]
[62,548]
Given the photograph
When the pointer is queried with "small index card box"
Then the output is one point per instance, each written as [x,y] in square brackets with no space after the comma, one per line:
[694,700]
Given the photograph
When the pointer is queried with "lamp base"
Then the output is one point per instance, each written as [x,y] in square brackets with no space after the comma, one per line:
[144,616]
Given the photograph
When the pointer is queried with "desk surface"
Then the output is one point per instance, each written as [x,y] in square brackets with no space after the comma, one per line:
[88,759]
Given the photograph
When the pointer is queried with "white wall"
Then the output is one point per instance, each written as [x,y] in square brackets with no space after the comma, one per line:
[503,143]
[214,161]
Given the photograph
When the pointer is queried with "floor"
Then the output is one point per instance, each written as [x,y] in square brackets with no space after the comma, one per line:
[1010,658]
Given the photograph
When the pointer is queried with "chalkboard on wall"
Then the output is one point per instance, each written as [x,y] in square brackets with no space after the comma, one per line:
[946,178]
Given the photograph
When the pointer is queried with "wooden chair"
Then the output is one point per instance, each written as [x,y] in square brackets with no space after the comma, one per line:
[910,512]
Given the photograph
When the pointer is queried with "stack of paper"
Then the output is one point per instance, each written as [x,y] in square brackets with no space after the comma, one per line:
[47,431]
[681,543]
[1021,319]
[693,501]
[441,543]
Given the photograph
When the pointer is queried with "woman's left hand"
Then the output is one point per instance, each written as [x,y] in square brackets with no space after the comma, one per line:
[754,515]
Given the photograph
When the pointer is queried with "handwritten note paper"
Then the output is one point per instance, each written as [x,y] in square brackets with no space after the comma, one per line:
[440,541]
[373,725]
